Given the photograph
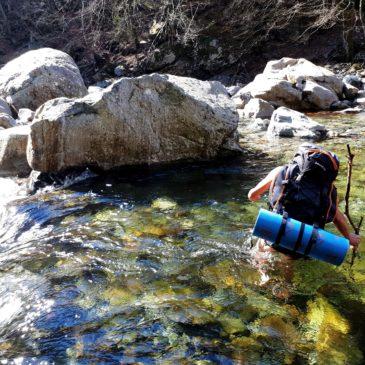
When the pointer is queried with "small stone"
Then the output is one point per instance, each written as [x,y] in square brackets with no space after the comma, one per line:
[353,80]
[119,71]
[350,91]
[6,121]
[258,108]
[25,116]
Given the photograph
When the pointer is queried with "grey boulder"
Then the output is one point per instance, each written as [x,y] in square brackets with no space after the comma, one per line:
[31,79]
[150,119]
[290,123]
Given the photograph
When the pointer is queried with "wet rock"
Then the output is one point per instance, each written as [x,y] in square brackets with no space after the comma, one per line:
[355,110]
[290,123]
[353,80]
[25,116]
[40,75]
[150,119]
[329,331]
[350,91]
[341,104]
[13,146]
[258,108]
[318,96]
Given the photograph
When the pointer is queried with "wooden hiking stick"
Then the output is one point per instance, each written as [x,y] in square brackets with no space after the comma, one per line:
[350,158]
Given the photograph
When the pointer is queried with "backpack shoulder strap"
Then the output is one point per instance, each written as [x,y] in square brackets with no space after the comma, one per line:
[286,173]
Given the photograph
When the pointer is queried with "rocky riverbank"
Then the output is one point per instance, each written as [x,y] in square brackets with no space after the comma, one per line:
[52,123]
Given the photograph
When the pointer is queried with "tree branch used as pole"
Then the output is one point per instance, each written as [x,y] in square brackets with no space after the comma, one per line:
[356,228]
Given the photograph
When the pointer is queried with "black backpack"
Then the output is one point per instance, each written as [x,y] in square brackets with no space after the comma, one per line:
[304,188]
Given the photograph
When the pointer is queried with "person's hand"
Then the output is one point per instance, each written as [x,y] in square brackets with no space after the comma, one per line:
[253,196]
[354,240]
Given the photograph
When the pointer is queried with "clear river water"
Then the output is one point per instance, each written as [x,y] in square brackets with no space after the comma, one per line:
[159,267]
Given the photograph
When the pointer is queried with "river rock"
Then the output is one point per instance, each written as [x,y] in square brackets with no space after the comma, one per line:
[150,119]
[341,104]
[350,91]
[259,125]
[13,147]
[25,116]
[353,80]
[258,108]
[317,96]
[233,90]
[276,90]
[290,123]
[241,98]
[4,107]
[6,119]
[40,75]
[360,101]
[295,70]
[93,89]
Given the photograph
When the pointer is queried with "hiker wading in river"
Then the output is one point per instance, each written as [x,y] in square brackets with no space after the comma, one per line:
[304,190]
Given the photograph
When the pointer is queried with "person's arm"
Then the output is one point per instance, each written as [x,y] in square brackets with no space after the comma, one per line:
[255,193]
[341,224]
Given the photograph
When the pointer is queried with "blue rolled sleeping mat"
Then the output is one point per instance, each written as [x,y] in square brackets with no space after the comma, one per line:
[300,238]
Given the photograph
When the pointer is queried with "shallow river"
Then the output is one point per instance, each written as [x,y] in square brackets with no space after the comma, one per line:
[159,268]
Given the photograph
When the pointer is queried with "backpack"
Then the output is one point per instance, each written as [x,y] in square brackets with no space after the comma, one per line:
[304,188]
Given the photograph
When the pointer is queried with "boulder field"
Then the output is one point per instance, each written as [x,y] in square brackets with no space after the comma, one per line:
[50,122]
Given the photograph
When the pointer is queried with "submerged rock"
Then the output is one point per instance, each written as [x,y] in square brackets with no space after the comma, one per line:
[40,75]
[330,333]
[13,146]
[290,123]
[150,119]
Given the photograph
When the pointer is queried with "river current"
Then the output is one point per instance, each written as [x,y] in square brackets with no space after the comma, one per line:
[159,267]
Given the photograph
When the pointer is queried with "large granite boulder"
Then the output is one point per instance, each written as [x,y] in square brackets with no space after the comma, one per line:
[149,119]
[13,147]
[40,75]
[290,123]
